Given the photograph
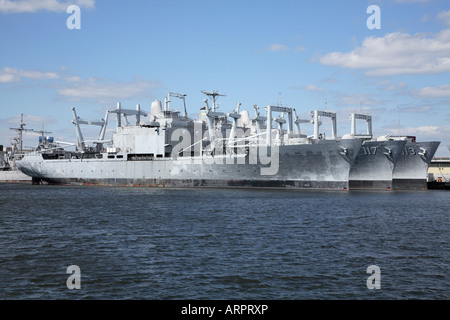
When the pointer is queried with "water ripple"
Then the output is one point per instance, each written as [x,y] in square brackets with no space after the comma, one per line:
[139,243]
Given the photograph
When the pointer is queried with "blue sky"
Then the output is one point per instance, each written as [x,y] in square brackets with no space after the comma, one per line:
[253,51]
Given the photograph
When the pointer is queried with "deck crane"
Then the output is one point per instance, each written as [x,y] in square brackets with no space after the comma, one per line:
[181,96]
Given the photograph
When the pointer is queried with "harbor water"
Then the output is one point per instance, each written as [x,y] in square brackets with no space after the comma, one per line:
[167,244]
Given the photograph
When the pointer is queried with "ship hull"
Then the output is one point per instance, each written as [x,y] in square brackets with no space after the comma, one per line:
[200,183]
[411,169]
[322,165]
[373,167]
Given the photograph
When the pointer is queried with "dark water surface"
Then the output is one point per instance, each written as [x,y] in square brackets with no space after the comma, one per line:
[143,243]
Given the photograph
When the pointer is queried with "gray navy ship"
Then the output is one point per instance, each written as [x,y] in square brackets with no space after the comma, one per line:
[8,169]
[390,162]
[220,149]
[375,163]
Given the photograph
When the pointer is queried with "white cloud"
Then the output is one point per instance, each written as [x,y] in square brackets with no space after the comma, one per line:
[277,47]
[397,53]
[73,78]
[424,132]
[357,99]
[106,91]
[433,92]
[311,87]
[344,112]
[425,18]
[299,48]
[74,87]
[34,122]
[411,1]
[9,6]
[389,85]
[8,75]
[444,16]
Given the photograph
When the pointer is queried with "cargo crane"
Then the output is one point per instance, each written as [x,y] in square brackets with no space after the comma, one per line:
[181,96]
[81,142]
[127,112]
[360,116]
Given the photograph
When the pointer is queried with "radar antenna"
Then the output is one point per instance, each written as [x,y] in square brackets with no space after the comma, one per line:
[213,96]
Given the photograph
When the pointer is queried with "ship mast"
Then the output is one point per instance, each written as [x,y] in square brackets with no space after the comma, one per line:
[235,116]
[297,121]
[211,116]
[20,130]
[213,96]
